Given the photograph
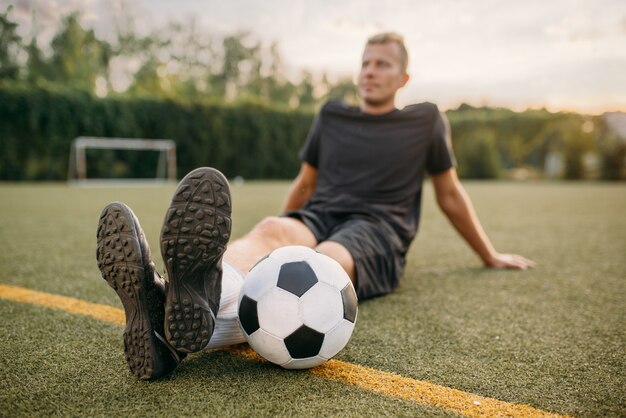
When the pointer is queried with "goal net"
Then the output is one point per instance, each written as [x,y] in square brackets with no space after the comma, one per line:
[102,160]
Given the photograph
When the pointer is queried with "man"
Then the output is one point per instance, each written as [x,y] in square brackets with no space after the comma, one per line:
[356,199]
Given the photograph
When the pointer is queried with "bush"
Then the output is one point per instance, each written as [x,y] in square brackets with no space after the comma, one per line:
[477,155]
[249,140]
[253,140]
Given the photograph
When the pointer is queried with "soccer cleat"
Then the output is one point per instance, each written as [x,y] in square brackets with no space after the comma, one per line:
[124,260]
[195,232]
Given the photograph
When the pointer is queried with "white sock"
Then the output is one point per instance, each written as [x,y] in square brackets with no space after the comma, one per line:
[227,331]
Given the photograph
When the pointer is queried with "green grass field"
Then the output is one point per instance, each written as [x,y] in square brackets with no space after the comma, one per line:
[553,337]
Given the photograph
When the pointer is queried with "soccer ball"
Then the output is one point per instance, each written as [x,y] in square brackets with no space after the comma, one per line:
[297,307]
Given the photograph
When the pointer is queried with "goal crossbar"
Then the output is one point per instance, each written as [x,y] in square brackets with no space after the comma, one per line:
[77,167]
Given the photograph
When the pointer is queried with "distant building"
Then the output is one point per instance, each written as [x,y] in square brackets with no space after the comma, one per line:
[554,165]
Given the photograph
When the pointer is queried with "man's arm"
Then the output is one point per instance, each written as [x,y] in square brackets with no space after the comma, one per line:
[301,188]
[456,204]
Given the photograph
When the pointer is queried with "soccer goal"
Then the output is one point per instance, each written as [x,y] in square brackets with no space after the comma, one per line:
[165,169]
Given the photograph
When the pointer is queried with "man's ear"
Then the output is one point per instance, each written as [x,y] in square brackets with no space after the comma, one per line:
[405,79]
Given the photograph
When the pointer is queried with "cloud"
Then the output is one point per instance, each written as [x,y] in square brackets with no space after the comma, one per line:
[480,49]
[590,86]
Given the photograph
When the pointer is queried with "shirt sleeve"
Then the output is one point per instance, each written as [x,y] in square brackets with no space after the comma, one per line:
[310,150]
[440,155]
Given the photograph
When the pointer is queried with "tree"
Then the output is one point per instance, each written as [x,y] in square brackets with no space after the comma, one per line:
[147,81]
[10,45]
[344,89]
[235,55]
[306,90]
[78,57]
[477,155]
[576,145]
[612,150]
[36,65]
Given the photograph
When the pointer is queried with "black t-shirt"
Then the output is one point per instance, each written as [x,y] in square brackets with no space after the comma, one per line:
[374,164]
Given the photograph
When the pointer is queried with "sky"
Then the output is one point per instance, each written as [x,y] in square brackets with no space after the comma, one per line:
[558,54]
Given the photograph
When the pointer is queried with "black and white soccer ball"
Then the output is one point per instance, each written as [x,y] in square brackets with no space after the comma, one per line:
[297,307]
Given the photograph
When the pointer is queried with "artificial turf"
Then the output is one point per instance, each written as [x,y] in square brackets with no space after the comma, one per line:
[552,337]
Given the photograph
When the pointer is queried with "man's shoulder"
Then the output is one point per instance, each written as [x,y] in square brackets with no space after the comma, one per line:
[424,108]
[338,106]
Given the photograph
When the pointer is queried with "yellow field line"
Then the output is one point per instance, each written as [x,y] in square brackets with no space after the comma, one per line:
[64,303]
[377,381]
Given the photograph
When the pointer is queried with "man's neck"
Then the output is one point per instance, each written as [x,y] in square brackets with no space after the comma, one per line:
[377,109]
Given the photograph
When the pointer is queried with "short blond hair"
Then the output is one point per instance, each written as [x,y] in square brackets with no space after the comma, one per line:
[387,37]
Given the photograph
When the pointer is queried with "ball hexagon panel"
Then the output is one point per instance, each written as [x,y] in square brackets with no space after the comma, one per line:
[336,339]
[350,303]
[278,312]
[248,317]
[322,307]
[270,347]
[292,253]
[304,342]
[329,271]
[261,278]
[296,277]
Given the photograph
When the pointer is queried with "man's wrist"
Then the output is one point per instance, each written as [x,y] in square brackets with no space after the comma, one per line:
[491,259]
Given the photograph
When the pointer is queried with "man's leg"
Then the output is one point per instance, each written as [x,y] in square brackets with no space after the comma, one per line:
[269,234]
[241,255]
[124,260]
[193,240]
[340,254]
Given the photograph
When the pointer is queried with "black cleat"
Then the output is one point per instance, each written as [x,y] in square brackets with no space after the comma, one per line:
[124,260]
[195,232]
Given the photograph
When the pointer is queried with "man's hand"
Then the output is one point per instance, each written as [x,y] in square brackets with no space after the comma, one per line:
[457,206]
[509,261]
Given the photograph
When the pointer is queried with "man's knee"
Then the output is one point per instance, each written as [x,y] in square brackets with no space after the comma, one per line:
[284,231]
[340,254]
[269,227]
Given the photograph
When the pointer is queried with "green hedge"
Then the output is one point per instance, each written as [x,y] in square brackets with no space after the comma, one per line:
[256,141]
[249,140]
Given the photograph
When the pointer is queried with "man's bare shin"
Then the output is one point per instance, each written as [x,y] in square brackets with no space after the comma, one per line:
[246,251]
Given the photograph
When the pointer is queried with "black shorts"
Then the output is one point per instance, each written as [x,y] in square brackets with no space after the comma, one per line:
[377,250]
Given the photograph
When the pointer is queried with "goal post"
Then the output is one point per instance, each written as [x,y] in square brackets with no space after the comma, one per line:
[77,167]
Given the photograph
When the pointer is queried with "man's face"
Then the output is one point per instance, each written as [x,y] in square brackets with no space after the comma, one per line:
[381,74]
